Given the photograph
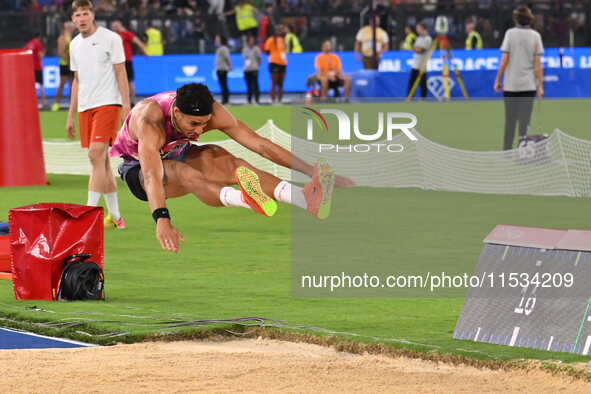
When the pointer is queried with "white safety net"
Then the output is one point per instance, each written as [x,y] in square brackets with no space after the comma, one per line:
[558,165]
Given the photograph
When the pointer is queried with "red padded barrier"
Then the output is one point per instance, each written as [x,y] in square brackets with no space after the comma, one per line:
[21,147]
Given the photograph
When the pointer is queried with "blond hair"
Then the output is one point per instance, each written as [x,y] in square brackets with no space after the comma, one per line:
[78,4]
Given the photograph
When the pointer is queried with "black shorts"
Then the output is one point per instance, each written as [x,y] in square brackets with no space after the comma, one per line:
[277,68]
[130,172]
[335,84]
[65,71]
[129,71]
[131,177]
[39,76]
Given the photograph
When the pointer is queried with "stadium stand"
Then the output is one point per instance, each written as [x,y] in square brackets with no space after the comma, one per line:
[191,26]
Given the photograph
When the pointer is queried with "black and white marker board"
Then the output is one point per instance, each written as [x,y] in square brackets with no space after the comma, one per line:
[534,292]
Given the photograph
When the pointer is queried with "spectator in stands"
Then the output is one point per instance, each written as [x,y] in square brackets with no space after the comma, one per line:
[473,40]
[421,49]
[246,21]
[105,6]
[409,39]
[329,71]
[38,50]
[252,62]
[63,51]
[222,66]
[128,38]
[292,42]
[154,42]
[216,8]
[275,47]
[267,24]
[364,44]
[522,47]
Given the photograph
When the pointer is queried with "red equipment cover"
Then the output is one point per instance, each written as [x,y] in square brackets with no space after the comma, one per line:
[41,235]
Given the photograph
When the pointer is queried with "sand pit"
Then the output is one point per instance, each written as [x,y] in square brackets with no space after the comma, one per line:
[252,365]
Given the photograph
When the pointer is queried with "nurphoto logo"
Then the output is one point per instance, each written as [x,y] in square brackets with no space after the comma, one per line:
[388,123]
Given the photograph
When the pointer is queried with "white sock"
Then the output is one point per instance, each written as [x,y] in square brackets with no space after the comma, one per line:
[93,198]
[291,194]
[113,205]
[231,197]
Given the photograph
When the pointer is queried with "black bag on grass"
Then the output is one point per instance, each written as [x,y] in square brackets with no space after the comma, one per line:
[81,280]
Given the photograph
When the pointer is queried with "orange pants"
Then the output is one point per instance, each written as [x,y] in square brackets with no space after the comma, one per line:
[99,124]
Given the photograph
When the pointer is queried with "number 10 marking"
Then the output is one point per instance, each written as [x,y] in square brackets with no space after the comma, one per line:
[529,304]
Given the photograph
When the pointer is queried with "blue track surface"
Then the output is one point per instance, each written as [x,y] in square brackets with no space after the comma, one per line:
[12,339]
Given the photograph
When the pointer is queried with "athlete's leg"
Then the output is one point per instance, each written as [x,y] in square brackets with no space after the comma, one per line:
[181,179]
[219,166]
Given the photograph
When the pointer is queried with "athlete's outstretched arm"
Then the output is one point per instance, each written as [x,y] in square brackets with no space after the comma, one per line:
[146,124]
[246,137]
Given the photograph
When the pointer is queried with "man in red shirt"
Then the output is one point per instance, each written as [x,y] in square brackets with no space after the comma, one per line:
[38,50]
[128,38]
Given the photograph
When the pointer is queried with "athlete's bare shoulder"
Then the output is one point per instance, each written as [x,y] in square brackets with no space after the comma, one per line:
[146,115]
[149,110]
[221,118]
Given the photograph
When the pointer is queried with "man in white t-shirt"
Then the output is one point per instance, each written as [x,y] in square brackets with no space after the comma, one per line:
[100,94]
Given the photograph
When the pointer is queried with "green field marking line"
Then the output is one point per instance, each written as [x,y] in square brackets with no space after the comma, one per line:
[583,322]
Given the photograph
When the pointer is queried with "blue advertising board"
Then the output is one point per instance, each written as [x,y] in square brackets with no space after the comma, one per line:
[478,68]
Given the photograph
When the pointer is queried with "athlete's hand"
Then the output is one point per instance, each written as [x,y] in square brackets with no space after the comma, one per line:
[343,181]
[168,235]
[71,128]
[540,92]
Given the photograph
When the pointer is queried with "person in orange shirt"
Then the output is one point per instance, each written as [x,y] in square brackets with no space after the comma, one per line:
[275,47]
[329,71]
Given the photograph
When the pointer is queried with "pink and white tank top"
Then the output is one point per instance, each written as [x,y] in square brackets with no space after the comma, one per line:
[127,148]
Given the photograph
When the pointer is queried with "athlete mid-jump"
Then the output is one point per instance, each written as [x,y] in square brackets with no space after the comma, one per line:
[160,162]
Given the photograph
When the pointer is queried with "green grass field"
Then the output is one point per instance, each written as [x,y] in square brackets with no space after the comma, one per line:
[237,264]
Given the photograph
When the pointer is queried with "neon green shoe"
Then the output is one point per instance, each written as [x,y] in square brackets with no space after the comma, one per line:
[110,222]
[55,107]
[253,194]
[318,191]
